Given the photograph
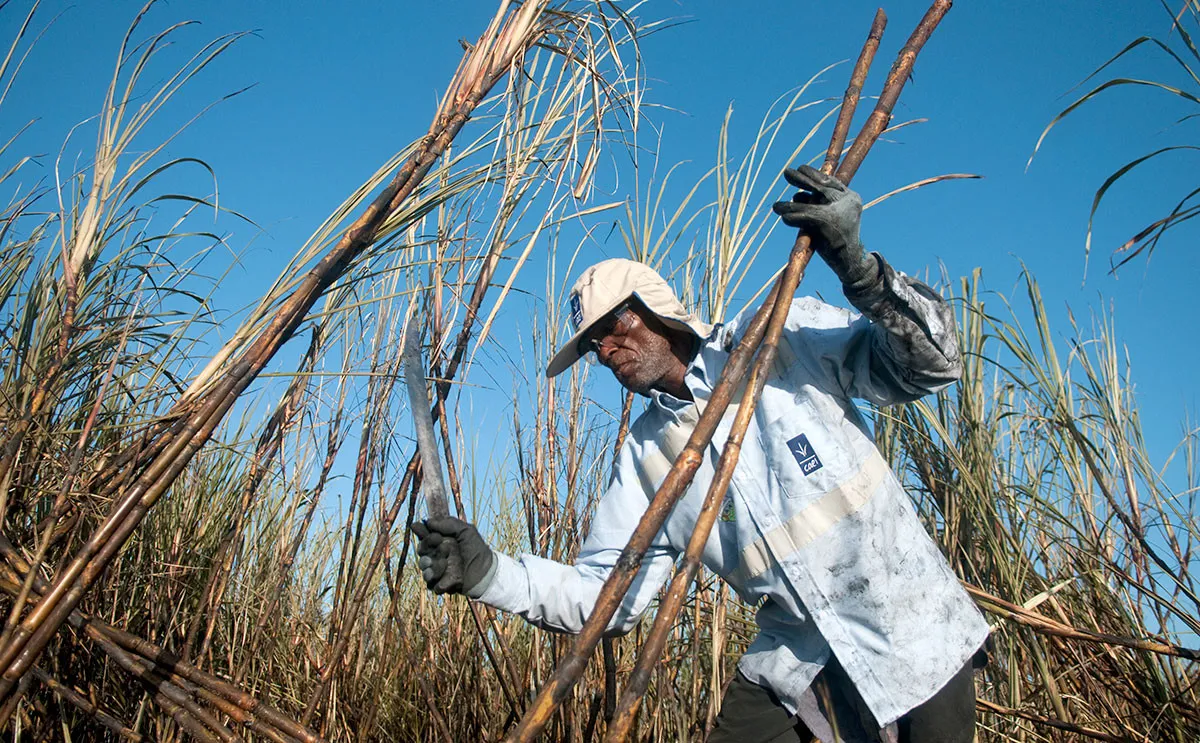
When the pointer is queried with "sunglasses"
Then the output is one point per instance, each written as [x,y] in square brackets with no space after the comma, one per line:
[618,322]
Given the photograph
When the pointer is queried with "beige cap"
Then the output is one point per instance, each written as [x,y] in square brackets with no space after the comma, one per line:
[606,285]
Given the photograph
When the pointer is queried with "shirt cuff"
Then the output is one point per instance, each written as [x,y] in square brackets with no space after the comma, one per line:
[872,289]
[481,586]
[505,587]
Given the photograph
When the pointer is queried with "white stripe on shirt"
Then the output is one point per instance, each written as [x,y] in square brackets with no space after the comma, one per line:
[816,518]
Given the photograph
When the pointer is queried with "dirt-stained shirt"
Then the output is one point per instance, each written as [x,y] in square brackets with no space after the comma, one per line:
[816,529]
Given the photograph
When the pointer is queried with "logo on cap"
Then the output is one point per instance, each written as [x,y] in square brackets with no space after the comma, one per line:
[576,311]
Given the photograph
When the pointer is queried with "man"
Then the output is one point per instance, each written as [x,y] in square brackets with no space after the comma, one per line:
[864,631]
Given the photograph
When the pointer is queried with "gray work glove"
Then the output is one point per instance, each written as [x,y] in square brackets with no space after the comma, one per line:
[453,557]
[829,213]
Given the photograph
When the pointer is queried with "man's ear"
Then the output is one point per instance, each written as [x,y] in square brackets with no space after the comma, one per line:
[683,344]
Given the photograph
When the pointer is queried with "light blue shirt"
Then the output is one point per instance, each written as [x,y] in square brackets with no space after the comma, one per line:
[818,531]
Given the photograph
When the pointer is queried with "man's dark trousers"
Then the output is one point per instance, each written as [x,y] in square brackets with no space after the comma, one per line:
[753,714]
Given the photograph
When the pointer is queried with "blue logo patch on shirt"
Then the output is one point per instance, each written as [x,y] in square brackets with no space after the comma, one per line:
[576,312]
[805,455]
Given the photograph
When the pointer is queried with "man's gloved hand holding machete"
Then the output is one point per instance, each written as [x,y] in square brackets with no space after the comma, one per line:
[453,556]
[829,213]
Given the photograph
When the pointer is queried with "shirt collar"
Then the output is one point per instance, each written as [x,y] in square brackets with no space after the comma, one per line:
[696,378]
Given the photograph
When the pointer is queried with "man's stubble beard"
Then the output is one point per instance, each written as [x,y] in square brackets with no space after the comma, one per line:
[652,365]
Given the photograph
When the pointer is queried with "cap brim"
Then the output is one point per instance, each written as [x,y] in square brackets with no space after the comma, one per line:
[568,353]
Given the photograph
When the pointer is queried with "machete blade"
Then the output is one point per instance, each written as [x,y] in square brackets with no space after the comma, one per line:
[418,399]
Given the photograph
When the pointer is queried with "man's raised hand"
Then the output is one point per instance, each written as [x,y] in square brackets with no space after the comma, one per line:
[829,213]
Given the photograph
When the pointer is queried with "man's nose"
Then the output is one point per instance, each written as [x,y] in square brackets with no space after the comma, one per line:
[605,348]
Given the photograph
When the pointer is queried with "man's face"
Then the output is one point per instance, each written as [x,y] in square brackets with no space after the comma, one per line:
[635,345]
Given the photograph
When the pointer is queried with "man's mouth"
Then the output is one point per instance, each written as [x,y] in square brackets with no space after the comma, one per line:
[620,359]
[624,370]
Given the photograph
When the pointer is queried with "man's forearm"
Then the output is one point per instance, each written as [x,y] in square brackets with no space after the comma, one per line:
[914,343]
[560,598]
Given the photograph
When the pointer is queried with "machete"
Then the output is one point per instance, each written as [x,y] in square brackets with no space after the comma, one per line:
[418,402]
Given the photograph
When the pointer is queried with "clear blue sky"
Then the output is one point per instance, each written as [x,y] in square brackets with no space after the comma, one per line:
[341,86]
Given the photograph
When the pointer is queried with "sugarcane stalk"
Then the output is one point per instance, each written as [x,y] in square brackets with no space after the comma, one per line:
[60,501]
[9,708]
[901,70]
[170,699]
[442,387]
[608,651]
[123,468]
[483,66]
[357,600]
[289,559]
[1044,625]
[228,708]
[671,603]
[69,588]
[850,98]
[669,607]
[1078,730]
[378,393]
[183,719]
[685,466]
[269,443]
[574,663]
[80,702]
[431,703]
[176,667]
[178,703]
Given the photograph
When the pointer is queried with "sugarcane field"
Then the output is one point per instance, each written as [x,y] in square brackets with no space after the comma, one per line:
[599,370]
